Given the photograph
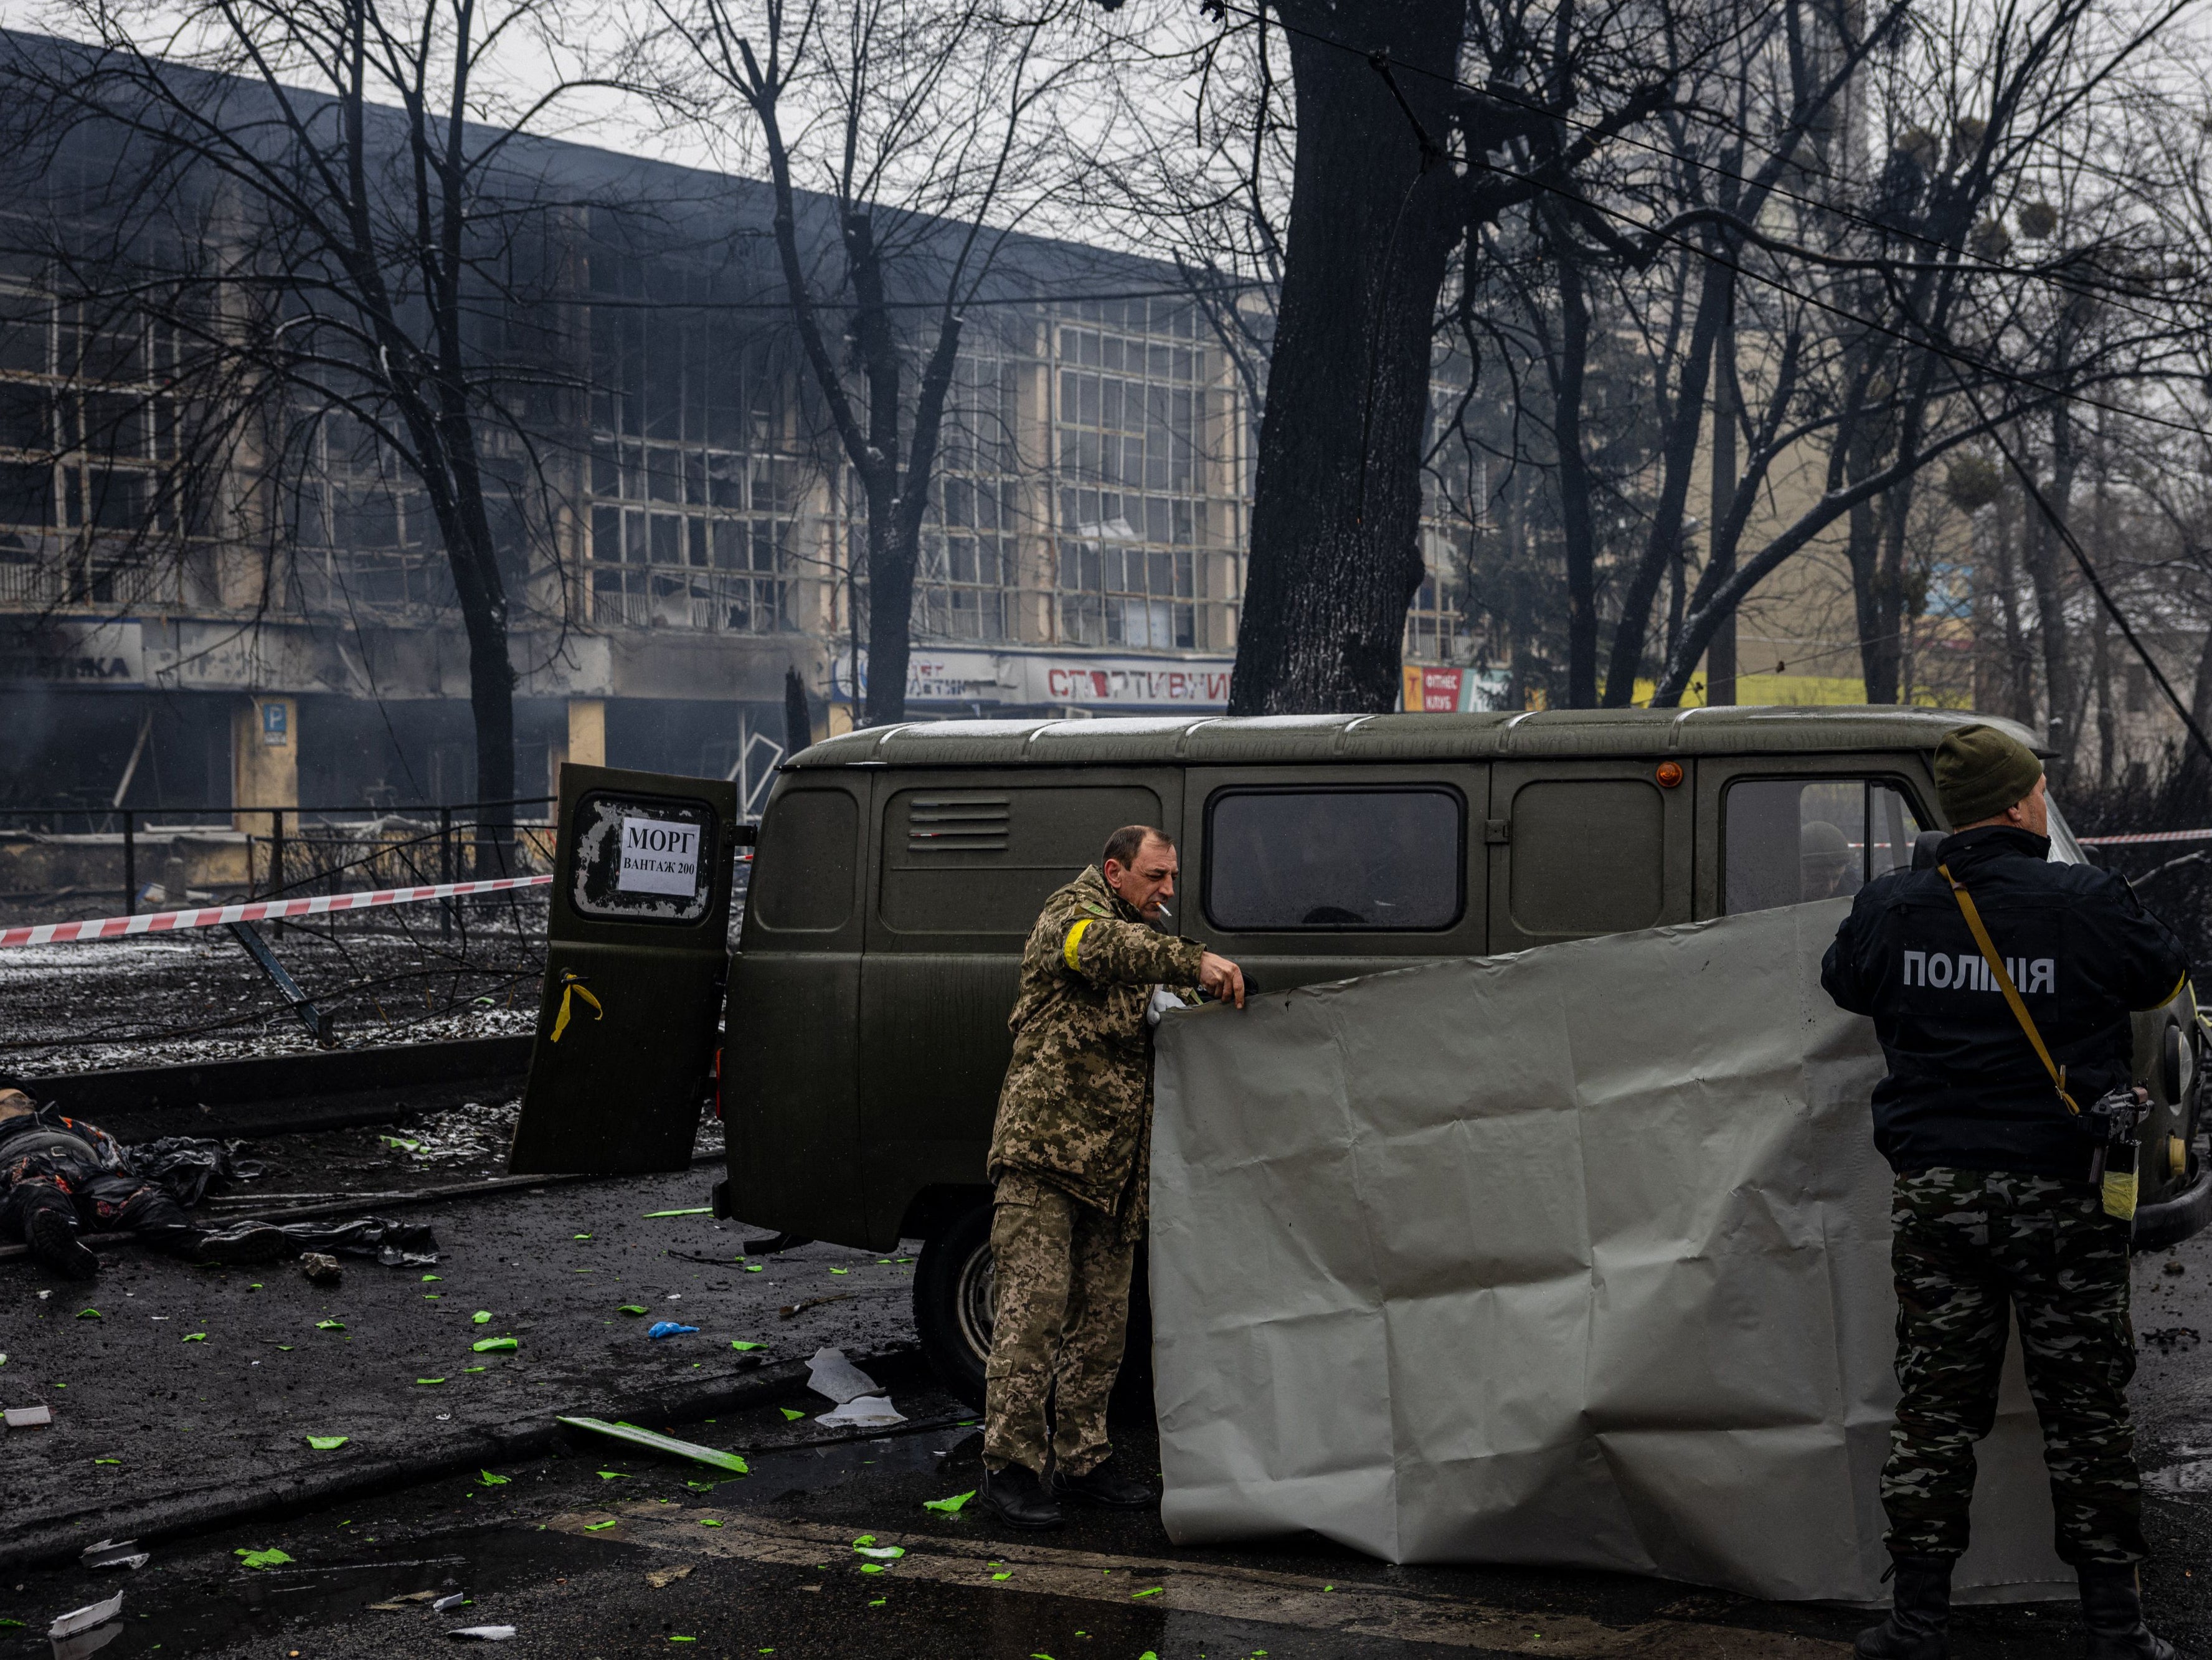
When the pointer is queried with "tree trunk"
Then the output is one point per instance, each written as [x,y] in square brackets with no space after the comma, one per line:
[1679,451]
[1335,555]
[1728,413]
[1576,525]
[2045,576]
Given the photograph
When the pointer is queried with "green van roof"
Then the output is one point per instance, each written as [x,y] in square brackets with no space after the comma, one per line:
[1205,740]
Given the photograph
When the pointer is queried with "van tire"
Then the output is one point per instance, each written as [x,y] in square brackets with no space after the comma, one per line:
[952,1318]
[952,1303]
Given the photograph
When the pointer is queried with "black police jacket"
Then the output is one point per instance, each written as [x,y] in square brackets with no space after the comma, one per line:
[1965,1088]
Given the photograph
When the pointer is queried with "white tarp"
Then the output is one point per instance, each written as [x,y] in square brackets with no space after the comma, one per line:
[1576,1257]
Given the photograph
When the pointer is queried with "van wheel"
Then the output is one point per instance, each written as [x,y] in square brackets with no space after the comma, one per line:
[952,1316]
[952,1303]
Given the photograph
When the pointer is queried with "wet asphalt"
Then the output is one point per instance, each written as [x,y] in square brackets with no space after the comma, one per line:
[593,1548]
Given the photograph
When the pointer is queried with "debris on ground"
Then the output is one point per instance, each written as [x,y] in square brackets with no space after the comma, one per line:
[667,1443]
[669,1328]
[791,1310]
[861,1402]
[2166,1339]
[270,1558]
[192,1166]
[2173,1265]
[401,1604]
[661,1578]
[483,1633]
[949,1507]
[453,1601]
[471,1133]
[84,1619]
[321,1267]
[26,1418]
[115,1553]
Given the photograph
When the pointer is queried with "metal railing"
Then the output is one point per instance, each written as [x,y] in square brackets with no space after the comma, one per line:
[318,849]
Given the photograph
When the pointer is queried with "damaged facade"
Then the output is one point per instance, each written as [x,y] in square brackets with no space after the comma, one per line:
[690,534]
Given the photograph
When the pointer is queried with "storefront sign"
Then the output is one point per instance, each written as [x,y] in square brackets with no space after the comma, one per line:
[68,653]
[1433,690]
[1069,680]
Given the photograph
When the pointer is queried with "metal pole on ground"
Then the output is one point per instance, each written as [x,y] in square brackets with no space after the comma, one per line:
[276,857]
[444,870]
[130,863]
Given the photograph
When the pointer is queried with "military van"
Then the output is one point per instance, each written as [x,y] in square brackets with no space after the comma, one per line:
[895,873]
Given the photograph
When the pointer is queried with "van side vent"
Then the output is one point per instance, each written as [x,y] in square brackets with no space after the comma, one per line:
[955,824]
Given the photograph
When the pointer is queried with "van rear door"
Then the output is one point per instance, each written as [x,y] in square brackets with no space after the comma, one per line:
[637,949]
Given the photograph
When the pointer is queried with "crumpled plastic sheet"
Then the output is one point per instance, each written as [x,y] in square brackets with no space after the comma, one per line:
[394,1244]
[1577,1257]
[188,1165]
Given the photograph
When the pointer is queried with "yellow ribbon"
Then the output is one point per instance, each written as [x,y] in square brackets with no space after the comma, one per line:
[1074,943]
[572,985]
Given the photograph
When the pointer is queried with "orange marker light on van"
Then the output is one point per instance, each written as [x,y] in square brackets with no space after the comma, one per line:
[1669,774]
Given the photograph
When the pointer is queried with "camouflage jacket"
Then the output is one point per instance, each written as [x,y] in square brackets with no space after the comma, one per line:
[1076,1109]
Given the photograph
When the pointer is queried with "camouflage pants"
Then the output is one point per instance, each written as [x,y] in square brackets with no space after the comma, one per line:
[1060,1315]
[1969,1246]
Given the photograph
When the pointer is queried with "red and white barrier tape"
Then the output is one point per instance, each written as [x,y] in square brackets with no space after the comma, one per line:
[210,916]
[2138,837]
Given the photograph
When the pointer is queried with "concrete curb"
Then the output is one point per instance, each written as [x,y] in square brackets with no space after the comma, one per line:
[54,1538]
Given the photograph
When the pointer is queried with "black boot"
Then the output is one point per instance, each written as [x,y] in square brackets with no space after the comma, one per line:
[1105,1487]
[1919,1623]
[2111,1615]
[53,1242]
[1018,1499]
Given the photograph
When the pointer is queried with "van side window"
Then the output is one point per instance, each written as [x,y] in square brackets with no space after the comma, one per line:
[1792,841]
[803,868]
[1281,861]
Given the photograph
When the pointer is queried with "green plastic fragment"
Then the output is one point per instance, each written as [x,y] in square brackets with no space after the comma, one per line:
[667,1443]
[709,1522]
[429,1380]
[949,1506]
[330,1325]
[108,1461]
[841,1270]
[791,1414]
[88,1314]
[494,1344]
[481,1317]
[696,1210]
[474,1369]
[881,1552]
[1135,1594]
[432,1279]
[486,1479]
[872,1568]
[579,1236]
[401,1142]
[633,1307]
[1002,1576]
[755,1268]
[271,1558]
[879,1602]
[598,1526]
[612,1475]
[739,1343]
[284,1348]
[328,1442]
[195,1337]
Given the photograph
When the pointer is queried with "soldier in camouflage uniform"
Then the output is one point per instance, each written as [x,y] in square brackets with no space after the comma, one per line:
[1070,1162]
[1994,1209]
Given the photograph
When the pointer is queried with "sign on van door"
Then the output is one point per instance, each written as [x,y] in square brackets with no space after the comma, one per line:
[637,949]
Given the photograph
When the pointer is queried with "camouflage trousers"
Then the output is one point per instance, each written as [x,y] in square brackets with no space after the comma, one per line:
[1968,1247]
[1060,1316]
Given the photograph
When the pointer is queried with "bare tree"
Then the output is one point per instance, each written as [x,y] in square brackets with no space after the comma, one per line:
[377,254]
[923,129]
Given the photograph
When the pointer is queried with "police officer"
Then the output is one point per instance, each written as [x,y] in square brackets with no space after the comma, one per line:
[1070,1166]
[1995,1206]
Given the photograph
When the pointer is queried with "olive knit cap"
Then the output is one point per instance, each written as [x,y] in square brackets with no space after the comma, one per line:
[1980,771]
